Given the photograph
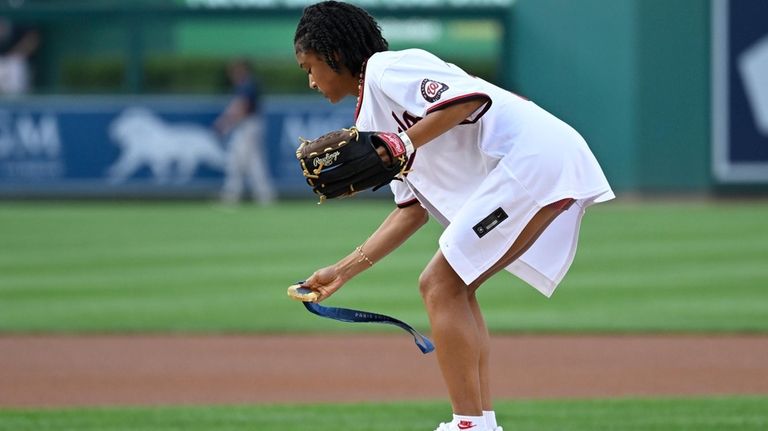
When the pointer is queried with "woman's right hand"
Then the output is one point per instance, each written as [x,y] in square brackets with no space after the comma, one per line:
[325,282]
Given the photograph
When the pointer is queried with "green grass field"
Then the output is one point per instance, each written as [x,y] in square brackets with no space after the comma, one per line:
[709,414]
[196,267]
[138,267]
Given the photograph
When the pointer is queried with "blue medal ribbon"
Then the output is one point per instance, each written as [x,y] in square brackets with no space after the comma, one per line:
[357,316]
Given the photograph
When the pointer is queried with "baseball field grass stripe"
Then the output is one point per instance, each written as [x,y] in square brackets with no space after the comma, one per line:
[664,414]
[153,267]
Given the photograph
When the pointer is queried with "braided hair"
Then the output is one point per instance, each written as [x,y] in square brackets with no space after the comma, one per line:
[332,29]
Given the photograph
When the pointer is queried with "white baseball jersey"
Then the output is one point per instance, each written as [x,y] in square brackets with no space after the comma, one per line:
[487,177]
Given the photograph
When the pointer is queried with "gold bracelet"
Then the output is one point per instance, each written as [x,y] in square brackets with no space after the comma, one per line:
[364,257]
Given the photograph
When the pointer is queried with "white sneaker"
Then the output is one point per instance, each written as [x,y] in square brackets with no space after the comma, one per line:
[449,427]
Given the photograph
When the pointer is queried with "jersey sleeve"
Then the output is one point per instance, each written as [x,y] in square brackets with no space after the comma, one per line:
[404,197]
[422,83]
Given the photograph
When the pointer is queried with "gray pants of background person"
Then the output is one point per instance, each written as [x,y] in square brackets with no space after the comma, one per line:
[246,165]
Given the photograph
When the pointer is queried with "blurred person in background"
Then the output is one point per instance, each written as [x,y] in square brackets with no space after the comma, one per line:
[242,124]
[17,44]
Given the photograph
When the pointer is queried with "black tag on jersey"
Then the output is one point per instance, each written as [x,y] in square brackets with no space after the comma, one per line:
[490,222]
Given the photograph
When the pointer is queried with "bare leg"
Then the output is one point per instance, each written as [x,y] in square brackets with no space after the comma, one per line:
[484,347]
[456,335]
[458,328]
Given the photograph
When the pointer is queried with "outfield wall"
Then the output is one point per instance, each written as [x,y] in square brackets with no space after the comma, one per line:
[144,146]
[632,76]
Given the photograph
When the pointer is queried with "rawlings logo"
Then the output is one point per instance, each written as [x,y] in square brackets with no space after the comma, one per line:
[431,90]
[393,142]
[326,160]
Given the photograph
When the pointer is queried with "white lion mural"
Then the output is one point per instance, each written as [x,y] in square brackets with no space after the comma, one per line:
[171,151]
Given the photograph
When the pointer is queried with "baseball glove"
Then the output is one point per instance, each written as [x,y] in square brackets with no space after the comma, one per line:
[344,162]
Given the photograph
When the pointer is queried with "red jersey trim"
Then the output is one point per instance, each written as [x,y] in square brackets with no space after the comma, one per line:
[410,163]
[407,203]
[464,98]
[562,204]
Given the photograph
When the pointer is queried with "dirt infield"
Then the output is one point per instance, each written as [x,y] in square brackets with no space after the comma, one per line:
[57,371]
